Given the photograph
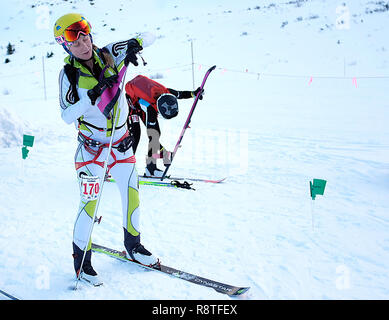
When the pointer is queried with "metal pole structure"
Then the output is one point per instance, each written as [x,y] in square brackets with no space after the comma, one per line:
[44,77]
[193,81]
[344,67]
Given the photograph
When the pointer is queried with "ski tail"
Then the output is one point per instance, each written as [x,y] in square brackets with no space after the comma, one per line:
[172,183]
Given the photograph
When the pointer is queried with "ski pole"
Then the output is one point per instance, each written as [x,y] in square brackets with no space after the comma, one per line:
[9,296]
[102,179]
[143,60]
[186,125]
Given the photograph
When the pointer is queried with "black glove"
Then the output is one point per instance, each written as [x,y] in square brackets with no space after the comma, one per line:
[126,144]
[194,93]
[98,89]
[133,47]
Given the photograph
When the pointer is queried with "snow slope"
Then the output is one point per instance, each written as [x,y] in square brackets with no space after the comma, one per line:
[300,92]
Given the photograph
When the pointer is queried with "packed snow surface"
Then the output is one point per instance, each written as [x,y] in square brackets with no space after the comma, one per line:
[300,92]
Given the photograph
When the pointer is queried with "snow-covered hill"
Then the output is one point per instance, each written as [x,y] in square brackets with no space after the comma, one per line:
[300,92]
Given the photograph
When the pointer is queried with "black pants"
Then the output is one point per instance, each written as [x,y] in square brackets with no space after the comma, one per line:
[153,131]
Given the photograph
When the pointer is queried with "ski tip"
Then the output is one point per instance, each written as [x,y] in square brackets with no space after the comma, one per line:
[240,291]
[215,181]
[213,68]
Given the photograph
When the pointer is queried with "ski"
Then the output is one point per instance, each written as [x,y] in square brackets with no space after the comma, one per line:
[157,183]
[218,286]
[171,184]
[181,178]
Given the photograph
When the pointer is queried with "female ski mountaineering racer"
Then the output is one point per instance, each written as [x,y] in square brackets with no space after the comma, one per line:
[146,99]
[87,74]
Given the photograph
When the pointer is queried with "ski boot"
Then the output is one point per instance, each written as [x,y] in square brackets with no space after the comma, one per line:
[136,252]
[141,255]
[152,170]
[86,273]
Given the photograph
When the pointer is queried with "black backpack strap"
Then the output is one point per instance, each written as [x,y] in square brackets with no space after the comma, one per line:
[80,121]
[73,75]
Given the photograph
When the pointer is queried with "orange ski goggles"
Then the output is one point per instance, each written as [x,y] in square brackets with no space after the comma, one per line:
[72,33]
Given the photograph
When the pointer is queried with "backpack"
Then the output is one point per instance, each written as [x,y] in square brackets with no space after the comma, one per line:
[144,88]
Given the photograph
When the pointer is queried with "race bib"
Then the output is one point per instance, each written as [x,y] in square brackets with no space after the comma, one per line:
[90,187]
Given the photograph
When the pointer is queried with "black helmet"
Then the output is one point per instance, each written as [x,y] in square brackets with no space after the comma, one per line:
[167,105]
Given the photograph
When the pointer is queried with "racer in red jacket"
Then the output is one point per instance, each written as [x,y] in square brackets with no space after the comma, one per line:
[146,99]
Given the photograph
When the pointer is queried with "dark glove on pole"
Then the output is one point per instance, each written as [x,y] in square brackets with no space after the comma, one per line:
[98,89]
[195,93]
[133,47]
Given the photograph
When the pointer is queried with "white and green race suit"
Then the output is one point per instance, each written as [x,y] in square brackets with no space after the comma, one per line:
[94,126]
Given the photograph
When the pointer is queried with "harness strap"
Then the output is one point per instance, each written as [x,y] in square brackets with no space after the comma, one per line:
[80,122]
[88,142]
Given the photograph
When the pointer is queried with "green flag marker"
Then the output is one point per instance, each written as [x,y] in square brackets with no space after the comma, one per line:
[317,187]
[28,141]
[24,152]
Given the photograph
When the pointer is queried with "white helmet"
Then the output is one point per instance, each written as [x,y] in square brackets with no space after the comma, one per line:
[167,105]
